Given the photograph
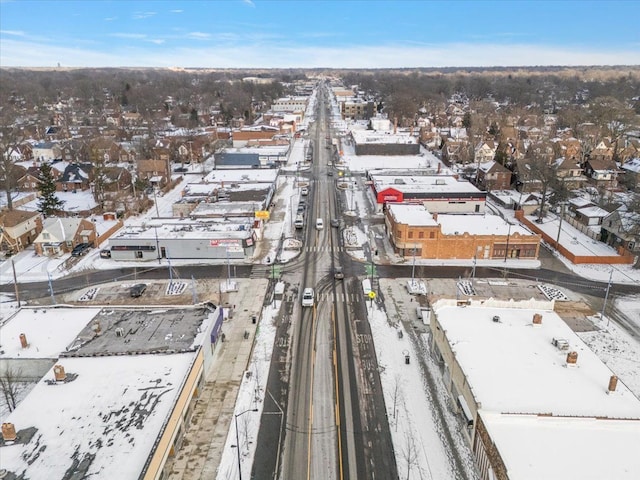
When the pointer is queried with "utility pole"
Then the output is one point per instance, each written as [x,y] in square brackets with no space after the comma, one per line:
[15,282]
[606,297]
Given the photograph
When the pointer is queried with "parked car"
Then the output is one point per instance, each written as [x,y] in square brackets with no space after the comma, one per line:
[106,253]
[137,290]
[80,249]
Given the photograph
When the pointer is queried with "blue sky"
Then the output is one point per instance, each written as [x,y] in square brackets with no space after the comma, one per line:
[339,34]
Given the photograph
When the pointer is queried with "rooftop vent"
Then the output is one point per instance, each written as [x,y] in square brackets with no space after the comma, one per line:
[9,432]
[613,383]
[59,373]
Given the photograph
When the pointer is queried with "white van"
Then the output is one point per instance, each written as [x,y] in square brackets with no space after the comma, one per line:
[319,224]
[307,297]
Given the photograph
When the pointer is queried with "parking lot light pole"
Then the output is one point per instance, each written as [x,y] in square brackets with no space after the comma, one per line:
[238,439]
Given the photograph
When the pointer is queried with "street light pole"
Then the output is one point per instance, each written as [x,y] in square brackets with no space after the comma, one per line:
[238,439]
[506,251]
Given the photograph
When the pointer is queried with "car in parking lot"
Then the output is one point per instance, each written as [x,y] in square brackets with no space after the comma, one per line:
[137,290]
[106,253]
[80,249]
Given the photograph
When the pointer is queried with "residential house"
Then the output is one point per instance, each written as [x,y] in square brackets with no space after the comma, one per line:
[76,177]
[570,172]
[602,151]
[631,151]
[61,235]
[493,176]
[29,181]
[601,172]
[45,151]
[114,182]
[156,172]
[621,229]
[632,168]
[18,229]
[485,151]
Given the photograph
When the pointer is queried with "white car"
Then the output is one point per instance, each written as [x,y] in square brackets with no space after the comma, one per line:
[304,191]
[319,224]
[308,297]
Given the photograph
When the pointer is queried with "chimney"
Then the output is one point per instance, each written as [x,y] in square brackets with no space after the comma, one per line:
[58,371]
[8,432]
[613,383]
[23,340]
[435,217]
[572,358]
[96,328]
[537,319]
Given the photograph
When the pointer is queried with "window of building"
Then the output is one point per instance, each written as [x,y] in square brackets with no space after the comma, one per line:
[399,234]
[432,235]
[410,234]
[45,236]
[420,234]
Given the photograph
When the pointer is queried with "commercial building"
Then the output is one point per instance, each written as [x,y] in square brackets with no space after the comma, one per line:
[437,191]
[413,230]
[535,401]
[117,400]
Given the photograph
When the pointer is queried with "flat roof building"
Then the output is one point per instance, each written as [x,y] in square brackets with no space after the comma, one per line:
[537,402]
[116,402]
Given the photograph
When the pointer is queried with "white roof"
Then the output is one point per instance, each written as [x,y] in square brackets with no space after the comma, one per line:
[414,215]
[593,211]
[632,165]
[242,175]
[534,447]
[382,137]
[114,409]
[47,335]
[423,183]
[512,366]
[478,225]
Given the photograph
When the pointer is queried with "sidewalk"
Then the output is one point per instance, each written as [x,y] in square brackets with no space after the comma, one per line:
[205,438]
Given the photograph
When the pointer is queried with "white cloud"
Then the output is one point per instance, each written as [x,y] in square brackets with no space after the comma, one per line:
[176,11]
[128,35]
[157,41]
[142,15]
[199,35]
[110,19]
[17,33]
[249,2]
[16,52]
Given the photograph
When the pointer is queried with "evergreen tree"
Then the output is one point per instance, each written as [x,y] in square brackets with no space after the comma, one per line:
[49,202]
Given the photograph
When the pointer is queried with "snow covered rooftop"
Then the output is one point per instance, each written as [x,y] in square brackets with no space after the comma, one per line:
[536,447]
[423,183]
[242,175]
[414,215]
[513,367]
[478,225]
[103,424]
[593,211]
[186,230]
[48,331]
[382,137]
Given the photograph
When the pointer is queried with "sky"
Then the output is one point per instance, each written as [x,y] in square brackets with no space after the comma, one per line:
[307,34]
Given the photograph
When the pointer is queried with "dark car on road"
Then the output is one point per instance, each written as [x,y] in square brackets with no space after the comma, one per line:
[137,290]
[80,249]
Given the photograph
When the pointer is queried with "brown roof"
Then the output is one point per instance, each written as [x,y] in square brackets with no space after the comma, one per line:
[11,218]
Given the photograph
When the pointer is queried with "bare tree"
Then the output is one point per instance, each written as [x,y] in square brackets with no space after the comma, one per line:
[409,453]
[11,386]
[543,171]
[10,141]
